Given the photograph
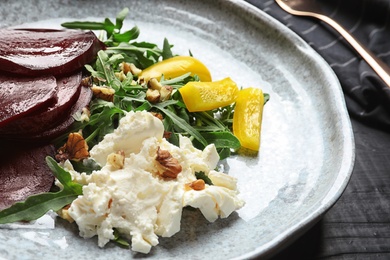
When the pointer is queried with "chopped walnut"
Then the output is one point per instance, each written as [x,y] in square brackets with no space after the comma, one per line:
[197,185]
[116,160]
[130,67]
[167,134]
[125,67]
[158,115]
[152,95]
[85,114]
[168,167]
[154,84]
[141,81]
[75,148]
[120,75]
[104,93]
[164,92]
[134,70]
[86,82]
[64,214]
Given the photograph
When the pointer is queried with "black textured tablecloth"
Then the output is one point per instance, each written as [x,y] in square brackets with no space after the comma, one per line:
[358,225]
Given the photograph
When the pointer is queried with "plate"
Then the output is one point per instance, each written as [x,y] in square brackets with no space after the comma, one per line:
[307,150]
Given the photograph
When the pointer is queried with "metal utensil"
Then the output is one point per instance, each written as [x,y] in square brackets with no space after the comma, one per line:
[311,8]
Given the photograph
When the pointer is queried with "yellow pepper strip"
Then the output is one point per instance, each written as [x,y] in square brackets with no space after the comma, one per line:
[247,117]
[175,67]
[203,96]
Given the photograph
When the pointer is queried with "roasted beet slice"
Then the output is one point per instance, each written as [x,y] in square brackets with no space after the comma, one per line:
[34,52]
[46,136]
[83,101]
[22,96]
[23,172]
[66,96]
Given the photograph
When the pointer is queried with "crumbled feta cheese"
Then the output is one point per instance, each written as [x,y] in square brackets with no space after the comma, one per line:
[135,199]
[135,128]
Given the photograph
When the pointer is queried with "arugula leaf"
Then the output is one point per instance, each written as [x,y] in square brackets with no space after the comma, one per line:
[84,25]
[121,16]
[113,31]
[87,165]
[96,74]
[166,52]
[208,119]
[104,63]
[266,98]
[178,81]
[109,27]
[134,48]
[222,140]
[104,118]
[120,241]
[63,176]
[127,36]
[201,175]
[224,153]
[38,205]
[181,123]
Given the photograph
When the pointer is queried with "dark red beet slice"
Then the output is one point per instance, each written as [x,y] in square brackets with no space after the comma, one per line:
[66,96]
[23,172]
[83,101]
[67,120]
[34,52]
[21,96]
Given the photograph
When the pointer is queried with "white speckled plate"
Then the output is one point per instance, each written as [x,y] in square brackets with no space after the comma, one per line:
[307,151]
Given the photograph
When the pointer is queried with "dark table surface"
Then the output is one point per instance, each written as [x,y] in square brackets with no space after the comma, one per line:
[358,225]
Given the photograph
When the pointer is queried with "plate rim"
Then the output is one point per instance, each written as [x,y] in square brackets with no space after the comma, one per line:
[286,238]
[290,235]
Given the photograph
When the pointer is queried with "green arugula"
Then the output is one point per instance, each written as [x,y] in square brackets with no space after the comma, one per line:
[36,206]
[204,177]
[202,127]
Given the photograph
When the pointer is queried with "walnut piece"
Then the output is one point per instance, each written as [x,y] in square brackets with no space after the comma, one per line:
[197,185]
[153,83]
[86,82]
[158,115]
[104,93]
[120,75]
[152,95]
[164,92]
[130,67]
[167,134]
[64,214]
[168,167]
[116,160]
[76,148]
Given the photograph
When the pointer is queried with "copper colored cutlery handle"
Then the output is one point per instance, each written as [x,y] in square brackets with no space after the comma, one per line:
[376,64]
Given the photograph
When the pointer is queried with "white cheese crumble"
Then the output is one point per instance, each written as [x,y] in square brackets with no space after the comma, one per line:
[134,199]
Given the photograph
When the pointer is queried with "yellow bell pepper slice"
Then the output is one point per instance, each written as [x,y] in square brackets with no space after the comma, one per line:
[204,96]
[247,117]
[175,67]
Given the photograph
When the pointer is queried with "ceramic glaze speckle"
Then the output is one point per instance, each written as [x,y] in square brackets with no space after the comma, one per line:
[307,150]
